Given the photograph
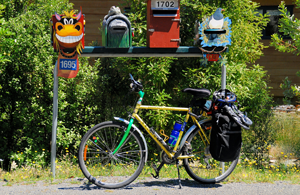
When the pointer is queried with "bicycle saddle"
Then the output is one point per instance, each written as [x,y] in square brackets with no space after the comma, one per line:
[198,93]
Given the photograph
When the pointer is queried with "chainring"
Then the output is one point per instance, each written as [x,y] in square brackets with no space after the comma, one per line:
[165,158]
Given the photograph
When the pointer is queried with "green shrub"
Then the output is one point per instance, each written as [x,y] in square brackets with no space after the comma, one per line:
[26,90]
[99,91]
[164,78]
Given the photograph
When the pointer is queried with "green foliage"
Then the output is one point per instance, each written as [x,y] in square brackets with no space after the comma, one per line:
[296,91]
[99,91]
[26,71]
[13,8]
[246,26]
[288,91]
[4,32]
[30,157]
[164,78]
[288,25]
[286,126]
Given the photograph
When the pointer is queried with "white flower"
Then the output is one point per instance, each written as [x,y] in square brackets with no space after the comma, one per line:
[292,18]
[14,165]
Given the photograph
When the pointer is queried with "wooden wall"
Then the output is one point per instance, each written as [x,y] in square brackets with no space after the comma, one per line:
[94,10]
[279,65]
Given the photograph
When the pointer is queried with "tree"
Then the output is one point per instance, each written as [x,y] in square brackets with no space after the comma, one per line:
[165,78]
[290,26]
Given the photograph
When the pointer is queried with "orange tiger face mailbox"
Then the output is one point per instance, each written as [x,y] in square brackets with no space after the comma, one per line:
[163,19]
[68,39]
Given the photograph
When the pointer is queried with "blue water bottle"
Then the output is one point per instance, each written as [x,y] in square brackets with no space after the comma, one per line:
[175,133]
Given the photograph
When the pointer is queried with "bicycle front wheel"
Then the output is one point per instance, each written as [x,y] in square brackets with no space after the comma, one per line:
[202,167]
[101,166]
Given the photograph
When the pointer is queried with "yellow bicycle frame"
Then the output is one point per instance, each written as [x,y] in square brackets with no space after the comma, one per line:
[170,154]
[137,117]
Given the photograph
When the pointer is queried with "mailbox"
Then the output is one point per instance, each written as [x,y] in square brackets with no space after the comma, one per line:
[67,37]
[116,31]
[163,19]
[57,45]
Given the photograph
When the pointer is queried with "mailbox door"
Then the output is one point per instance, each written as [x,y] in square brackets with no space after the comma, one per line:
[163,29]
[118,34]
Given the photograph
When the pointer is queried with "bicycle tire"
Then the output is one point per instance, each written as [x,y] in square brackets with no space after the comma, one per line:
[105,169]
[197,168]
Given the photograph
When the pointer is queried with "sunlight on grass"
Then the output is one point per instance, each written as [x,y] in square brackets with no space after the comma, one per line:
[284,164]
[287,127]
[244,172]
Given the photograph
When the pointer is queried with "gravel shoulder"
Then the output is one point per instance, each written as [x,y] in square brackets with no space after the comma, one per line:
[150,186]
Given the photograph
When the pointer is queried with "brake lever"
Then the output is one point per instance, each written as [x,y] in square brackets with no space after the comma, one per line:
[135,83]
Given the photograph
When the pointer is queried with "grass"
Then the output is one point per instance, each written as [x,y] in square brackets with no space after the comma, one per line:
[285,149]
[287,127]
[30,174]
[244,172]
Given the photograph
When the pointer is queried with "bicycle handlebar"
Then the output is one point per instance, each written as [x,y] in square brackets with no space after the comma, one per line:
[135,85]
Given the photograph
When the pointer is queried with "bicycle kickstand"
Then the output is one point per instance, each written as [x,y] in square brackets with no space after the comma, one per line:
[179,180]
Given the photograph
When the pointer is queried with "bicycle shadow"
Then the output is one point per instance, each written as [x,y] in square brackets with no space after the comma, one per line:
[169,183]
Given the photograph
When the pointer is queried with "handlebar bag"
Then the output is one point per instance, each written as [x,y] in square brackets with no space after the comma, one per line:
[225,138]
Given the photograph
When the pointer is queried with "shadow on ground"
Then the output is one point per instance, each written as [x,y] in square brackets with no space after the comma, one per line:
[171,183]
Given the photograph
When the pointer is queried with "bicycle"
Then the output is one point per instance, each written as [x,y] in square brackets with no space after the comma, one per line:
[112,154]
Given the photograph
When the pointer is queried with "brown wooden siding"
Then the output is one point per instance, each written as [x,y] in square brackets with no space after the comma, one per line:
[279,65]
[94,10]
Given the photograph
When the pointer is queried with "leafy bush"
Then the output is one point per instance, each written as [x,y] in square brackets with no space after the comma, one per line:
[99,91]
[26,89]
[288,91]
[164,78]
[288,25]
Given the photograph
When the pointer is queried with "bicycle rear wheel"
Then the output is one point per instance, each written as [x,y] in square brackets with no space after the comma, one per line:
[202,167]
[101,166]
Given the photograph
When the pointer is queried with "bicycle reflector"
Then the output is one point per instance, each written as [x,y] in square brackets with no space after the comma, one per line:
[84,153]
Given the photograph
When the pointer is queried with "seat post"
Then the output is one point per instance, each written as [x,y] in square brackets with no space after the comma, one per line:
[223,78]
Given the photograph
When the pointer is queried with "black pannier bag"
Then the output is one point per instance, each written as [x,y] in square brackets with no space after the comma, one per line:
[226,134]
[225,138]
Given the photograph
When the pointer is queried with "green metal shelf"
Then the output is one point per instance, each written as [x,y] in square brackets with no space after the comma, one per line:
[183,51]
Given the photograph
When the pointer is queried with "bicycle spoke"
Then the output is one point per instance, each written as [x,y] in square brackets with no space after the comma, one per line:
[103,142]
[202,167]
[116,170]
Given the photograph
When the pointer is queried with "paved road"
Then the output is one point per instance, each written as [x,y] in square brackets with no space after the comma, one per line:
[152,187]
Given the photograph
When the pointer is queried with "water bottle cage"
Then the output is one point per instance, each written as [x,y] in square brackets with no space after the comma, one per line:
[162,132]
